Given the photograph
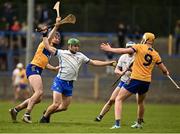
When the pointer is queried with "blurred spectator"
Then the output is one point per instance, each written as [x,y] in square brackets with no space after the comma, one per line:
[20,82]
[3,61]
[3,24]
[16,38]
[121,34]
[177,37]
[3,43]
[16,26]
[41,14]
[8,12]
[38,12]
[23,37]
[129,32]
[137,32]
[45,15]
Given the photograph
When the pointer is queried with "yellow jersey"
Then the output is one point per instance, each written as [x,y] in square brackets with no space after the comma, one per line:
[22,75]
[145,59]
[41,57]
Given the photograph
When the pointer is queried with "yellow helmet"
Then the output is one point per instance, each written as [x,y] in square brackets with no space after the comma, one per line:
[148,37]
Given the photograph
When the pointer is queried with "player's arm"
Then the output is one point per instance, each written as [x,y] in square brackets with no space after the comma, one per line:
[53,31]
[108,48]
[51,49]
[52,68]
[118,71]
[102,63]
[163,68]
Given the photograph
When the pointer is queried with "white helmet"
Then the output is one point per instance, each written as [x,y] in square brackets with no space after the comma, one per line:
[130,44]
[19,65]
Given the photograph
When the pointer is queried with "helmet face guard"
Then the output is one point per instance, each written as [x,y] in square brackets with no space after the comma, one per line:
[130,44]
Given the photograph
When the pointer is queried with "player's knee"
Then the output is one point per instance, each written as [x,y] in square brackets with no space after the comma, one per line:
[56,105]
[40,93]
[119,99]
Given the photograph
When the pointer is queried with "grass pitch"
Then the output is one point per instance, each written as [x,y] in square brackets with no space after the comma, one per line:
[79,118]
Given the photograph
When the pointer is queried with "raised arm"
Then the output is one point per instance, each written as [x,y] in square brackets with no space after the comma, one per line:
[53,31]
[102,63]
[108,48]
[51,49]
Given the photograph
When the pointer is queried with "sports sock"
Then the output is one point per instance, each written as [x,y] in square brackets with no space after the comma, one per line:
[140,121]
[16,110]
[117,122]
[100,116]
[27,114]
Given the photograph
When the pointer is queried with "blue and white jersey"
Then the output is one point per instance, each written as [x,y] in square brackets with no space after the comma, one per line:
[124,62]
[70,64]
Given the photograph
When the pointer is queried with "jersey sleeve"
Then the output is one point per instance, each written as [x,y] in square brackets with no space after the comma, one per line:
[85,58]
[135,47]
[158,59]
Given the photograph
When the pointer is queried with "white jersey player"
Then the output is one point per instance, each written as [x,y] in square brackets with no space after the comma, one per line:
[122,69]
[70,62]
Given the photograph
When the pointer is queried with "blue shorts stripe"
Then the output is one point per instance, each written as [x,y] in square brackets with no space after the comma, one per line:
[121,83]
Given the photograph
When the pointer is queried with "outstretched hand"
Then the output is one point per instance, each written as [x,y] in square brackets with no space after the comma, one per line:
[114,63]
[105,46]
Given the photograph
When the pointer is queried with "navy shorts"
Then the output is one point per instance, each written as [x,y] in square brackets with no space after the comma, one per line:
[62,86]
[23,86]
[33,69]
[137,86]
[121,83]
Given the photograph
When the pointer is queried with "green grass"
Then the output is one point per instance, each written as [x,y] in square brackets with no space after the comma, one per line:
[79,119]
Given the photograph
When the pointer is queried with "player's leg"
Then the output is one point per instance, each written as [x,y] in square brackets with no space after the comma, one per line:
[140,111]
[66,100]
[63,106]
[37,86]
[66,95]
[122,96]
[14,111]
[108,104]
[57,100]
[143,88]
